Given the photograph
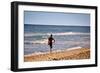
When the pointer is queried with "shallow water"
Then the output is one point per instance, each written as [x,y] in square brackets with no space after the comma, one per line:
[35,37]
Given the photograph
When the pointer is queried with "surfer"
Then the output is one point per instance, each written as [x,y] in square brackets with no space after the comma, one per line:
[50,42]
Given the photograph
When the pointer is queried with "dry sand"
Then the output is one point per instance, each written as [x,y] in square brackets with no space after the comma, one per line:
[74,54]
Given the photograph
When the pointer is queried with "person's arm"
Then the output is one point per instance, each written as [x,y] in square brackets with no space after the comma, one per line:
[54,40]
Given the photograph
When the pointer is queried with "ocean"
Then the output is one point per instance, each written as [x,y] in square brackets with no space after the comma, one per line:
[36,37]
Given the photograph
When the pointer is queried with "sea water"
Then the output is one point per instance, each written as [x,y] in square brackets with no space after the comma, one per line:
[36,37]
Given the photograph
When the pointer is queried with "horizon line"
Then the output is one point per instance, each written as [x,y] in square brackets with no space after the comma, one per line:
[54,25]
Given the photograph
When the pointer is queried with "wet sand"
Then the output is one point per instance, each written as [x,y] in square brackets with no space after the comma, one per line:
[74,54]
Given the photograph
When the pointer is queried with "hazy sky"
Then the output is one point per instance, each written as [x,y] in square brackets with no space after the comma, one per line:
[56,18]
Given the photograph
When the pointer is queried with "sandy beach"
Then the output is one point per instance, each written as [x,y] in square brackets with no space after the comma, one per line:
[73,54]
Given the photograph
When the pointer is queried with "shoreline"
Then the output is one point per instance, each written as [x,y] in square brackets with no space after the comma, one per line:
[73,54]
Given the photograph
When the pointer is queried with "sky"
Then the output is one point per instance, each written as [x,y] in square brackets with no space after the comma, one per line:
[56,18]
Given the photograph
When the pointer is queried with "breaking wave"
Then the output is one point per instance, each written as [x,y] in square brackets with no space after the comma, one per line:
[55,34]
[43,41]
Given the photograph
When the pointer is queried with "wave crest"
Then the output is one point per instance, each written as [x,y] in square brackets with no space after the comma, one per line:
[43,41]
[56,34]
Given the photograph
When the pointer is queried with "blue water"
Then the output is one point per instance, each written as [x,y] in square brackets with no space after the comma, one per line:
[35,37]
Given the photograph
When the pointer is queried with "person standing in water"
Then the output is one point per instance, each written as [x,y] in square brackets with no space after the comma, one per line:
[50,42]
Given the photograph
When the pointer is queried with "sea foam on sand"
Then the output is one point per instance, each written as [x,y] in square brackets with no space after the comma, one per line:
[37,53]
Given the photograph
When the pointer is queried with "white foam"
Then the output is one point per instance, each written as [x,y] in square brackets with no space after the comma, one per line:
[54,51]
[48,34]
[71,33]
[44,41]
[78,47]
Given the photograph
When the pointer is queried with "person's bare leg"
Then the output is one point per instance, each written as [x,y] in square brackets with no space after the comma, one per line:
[50,48]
